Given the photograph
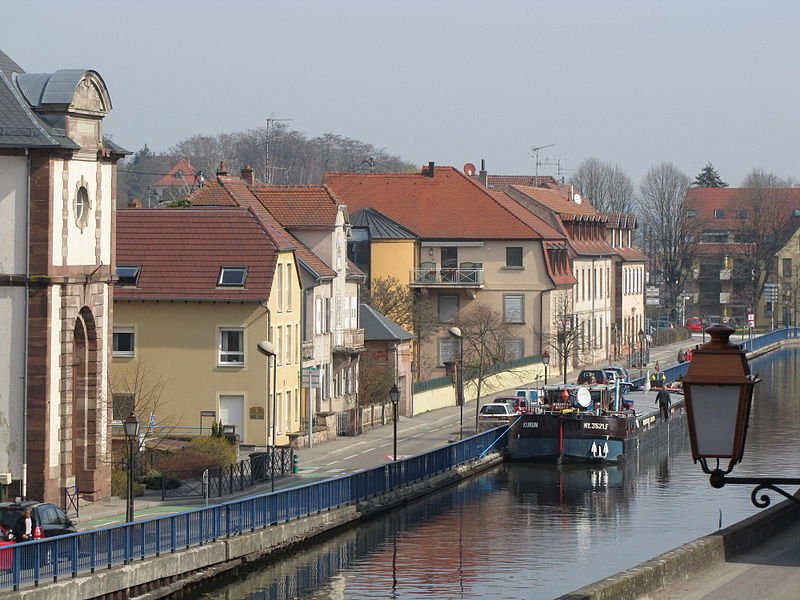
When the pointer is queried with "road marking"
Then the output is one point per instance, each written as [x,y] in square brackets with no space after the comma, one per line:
[349,457]
[367,451]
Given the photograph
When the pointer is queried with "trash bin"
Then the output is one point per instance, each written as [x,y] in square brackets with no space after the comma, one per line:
[258,465]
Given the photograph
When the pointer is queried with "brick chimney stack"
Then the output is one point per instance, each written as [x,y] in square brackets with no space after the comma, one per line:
[223,168]
[134,203]
[247,175]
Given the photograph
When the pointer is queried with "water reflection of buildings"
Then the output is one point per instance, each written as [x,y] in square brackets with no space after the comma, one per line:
[441,544]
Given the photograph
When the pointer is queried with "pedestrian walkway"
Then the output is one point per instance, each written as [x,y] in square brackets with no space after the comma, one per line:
[327,459]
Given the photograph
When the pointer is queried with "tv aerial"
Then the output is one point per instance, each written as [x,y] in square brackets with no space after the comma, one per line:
[535,155]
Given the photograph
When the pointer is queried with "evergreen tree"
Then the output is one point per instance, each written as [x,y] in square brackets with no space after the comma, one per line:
[709,178]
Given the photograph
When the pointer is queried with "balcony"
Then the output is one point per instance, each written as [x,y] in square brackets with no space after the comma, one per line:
[468,275]
[348,340]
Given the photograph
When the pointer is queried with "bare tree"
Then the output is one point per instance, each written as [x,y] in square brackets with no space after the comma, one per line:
[607,188]
[138,391]
[486,338]
[413,312]
[672,237]
[566,339]
[759,178]
[764,226]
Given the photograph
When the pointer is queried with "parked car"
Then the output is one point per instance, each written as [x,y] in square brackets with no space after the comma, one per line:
[618,373]
[496,411]
[694,324]
[518,403]
[589,376]
[50,518]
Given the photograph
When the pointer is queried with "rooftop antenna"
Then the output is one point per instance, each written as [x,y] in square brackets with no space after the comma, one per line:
[267,171]
[535,154]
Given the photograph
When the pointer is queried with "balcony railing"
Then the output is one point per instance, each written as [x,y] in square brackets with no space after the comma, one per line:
[435,277]
[348,340]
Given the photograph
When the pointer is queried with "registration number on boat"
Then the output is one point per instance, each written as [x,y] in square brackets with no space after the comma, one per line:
[595,425]
[530,425]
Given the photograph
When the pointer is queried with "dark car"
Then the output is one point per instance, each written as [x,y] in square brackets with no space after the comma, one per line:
[589,376]
[50,518]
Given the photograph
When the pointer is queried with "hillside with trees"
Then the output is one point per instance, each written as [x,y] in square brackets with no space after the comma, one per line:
[281,156]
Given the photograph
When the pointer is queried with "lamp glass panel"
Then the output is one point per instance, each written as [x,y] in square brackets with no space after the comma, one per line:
[715,408]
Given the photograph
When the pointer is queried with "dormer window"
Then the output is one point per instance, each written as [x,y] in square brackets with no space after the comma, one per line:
[719,213]
[232,276]
[128,275]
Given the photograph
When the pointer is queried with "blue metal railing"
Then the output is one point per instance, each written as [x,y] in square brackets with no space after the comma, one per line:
[35,562]
[755,343]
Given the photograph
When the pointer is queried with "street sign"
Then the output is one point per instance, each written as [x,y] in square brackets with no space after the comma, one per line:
[653,301]
[651,291]
[312,377]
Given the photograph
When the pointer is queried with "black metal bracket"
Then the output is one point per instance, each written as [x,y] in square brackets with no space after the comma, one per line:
[719,478]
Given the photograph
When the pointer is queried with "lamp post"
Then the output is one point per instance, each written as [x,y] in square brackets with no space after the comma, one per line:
[642,336]
[456,333]
[718,388]
[545,362]
[266,348]
[131,424]
[394,396]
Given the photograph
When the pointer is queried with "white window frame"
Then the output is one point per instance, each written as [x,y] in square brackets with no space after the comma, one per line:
[506,316]
[123,353]
[226,357]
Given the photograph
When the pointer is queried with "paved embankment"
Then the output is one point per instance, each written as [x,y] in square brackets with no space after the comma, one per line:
[708,564]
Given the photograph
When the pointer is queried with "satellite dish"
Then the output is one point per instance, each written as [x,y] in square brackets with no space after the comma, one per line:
[584,398]
[577,198]
[469,169]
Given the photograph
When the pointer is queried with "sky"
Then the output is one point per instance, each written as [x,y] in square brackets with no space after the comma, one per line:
[632,83]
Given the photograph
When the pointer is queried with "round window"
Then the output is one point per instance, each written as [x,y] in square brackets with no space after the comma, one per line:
[81,207]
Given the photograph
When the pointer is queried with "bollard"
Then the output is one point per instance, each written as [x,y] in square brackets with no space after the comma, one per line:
[295,462]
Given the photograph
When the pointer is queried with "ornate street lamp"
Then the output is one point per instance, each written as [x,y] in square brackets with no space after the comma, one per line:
[394,396]
[718,389]
[456,333]
[266,348]
[131,424]
[545,362]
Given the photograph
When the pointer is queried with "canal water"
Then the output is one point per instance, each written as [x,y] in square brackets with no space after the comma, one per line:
[524,531]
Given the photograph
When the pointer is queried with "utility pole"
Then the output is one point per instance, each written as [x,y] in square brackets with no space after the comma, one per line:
[267,168]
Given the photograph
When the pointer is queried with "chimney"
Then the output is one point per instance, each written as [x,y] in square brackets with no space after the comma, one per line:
[483,177]
[134,203]
[430,170]
[247,175]
[223,168]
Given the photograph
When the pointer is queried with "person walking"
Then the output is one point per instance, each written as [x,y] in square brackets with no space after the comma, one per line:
[664,401]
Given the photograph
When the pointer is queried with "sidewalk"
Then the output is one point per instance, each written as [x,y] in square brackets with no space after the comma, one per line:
[322,460]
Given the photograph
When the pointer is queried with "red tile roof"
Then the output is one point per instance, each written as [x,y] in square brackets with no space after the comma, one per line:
[631,254]
[449,205]
[300,206]
[181,174]
[542,229]
[226,190]
[180,252]
[706,200]
[566,209]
